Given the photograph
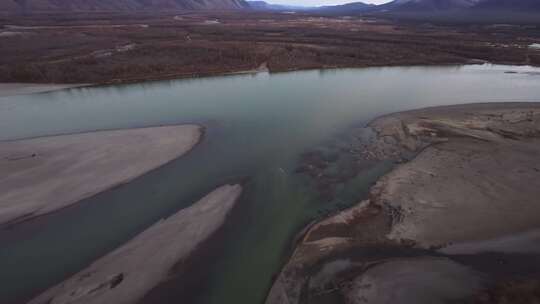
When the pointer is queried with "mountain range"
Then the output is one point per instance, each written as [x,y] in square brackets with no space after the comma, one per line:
[449,5]
[467,7]
[509,5]
[117,5]
[430,6]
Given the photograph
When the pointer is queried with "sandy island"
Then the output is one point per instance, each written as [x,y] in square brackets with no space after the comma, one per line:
[129,272]
[441,227]
[45,174]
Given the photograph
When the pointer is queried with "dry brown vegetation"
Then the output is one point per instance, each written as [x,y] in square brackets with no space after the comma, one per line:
[115,47]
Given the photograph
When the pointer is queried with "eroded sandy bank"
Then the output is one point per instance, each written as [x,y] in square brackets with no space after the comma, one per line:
[481,182]
[470,175]
[45,174]
[128,273]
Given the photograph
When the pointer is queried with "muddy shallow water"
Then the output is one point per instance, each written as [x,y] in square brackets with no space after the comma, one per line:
[258,126]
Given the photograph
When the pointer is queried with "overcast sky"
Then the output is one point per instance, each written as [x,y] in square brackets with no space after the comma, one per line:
[321,2]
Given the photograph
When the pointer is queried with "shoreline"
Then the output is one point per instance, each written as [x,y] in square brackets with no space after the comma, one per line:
[8,89]
[51,87]
[44,172]
[391,220]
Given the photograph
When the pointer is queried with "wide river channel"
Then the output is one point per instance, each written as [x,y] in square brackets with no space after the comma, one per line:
[257,126]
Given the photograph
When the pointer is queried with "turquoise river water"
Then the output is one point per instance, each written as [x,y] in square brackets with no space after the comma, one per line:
[257,127]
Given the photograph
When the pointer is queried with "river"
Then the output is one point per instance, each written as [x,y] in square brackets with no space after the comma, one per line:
[257,126]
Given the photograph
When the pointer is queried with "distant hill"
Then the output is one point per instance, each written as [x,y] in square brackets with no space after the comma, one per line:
[439,7]
[7,6]
[353,7]
[508,5]
[447,11]
[265,6]
[461,11]
[428,5]
[261,5]
[117,5]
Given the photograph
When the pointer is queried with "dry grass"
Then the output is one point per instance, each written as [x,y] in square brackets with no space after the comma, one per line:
[108,47]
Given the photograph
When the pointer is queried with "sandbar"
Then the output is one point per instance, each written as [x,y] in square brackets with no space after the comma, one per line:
[44,174]
[129,272]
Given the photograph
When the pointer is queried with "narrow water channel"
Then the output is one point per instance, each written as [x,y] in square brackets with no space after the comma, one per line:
[257,128]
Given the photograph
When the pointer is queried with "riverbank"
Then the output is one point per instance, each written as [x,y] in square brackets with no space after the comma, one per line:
[45,174]
[11,89]
[167,45]
[468,178]
[131,271]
